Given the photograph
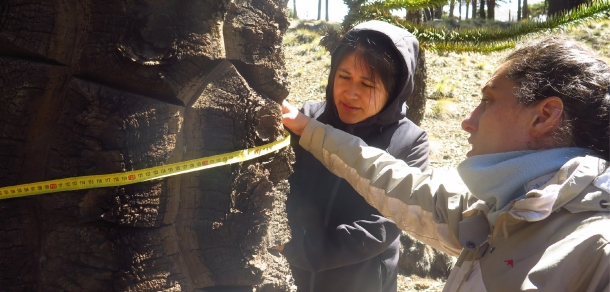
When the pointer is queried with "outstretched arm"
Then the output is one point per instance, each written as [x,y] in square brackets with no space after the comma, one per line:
[427,205]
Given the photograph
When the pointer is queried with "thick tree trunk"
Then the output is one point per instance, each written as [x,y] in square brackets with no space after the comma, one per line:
[95,87]
[518,9]
[417,100]
[525,13]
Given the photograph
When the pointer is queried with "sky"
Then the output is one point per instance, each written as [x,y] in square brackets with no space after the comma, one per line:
[308,9]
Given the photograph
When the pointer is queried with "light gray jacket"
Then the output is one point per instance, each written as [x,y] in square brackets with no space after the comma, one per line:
[554,239]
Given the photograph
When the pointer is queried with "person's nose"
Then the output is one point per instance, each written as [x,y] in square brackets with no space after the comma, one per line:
[471,122]
[352,91]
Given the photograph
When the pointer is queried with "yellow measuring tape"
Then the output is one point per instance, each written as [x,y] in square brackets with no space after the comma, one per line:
[136,176]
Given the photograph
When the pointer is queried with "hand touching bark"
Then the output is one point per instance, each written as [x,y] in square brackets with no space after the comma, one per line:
[294,120]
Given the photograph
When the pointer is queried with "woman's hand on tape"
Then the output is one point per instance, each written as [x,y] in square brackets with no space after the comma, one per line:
[294,120]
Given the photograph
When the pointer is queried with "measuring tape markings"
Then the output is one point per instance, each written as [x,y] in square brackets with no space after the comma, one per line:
[136,176]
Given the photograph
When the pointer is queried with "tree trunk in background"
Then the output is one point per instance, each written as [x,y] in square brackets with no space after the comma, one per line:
[451,7]
[415,15]
[525,11]
[319,9]
[294,9]
[326,10]
[427,14]
[473,14]
[482,9]
[518,10]
[561,5]
[491,9]
[94,87]
[438,12]
[417,100]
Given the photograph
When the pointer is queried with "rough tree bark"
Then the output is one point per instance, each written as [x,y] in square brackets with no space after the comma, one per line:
[93,87]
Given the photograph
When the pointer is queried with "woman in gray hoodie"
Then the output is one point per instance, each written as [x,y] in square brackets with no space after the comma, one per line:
[339,242]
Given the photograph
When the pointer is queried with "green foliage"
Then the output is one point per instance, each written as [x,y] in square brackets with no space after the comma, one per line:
[537,9]
[481,40]
[408,4]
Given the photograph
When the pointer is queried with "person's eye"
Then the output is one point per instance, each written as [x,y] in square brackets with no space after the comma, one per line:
[369,85]
[485,100]
[343,76]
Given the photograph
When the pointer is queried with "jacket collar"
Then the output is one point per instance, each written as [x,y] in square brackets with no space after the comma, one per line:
[580,185]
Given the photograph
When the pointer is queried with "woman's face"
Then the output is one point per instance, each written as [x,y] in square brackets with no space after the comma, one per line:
[357,95]
[500,123]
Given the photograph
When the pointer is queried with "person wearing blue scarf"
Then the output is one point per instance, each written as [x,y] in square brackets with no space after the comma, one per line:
[528,210]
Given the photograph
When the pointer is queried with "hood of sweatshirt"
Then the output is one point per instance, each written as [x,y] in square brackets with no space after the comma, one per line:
[408,48]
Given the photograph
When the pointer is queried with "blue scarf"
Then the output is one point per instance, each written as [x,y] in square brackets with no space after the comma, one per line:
[500,178]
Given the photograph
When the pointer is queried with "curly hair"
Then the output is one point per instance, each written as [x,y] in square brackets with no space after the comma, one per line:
[560,67]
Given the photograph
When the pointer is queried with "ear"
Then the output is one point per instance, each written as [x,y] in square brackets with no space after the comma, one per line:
[548,113]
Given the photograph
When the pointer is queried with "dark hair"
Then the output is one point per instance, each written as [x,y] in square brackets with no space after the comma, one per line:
[560,67]
[374,49]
